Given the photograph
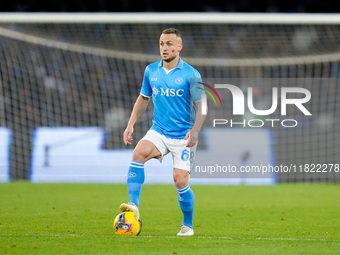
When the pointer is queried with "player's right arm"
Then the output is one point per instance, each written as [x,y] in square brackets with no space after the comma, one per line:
[139,107]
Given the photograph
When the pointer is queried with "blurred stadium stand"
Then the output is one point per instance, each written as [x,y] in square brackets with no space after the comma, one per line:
[48,86]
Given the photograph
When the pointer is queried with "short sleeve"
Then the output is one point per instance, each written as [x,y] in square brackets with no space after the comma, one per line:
[196,87]
[146,88]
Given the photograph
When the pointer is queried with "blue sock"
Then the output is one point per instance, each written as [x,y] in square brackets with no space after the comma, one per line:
[135,181]
[186,202]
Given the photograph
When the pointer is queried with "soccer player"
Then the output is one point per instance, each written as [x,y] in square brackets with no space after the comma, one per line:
[174,88]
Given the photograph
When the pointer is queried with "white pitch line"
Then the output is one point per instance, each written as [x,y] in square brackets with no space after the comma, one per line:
[256,238]
[198,237]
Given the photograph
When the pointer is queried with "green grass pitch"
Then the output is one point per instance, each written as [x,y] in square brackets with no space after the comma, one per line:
[77,219]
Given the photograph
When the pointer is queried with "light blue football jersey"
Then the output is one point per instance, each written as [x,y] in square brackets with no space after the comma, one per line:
[174,96]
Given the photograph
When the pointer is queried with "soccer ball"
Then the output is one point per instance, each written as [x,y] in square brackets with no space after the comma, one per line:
[128,224]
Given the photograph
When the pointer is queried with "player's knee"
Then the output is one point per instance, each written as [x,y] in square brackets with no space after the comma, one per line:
[139,155]
[180,180]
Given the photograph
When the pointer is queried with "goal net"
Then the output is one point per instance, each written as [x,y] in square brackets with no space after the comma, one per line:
[85,70]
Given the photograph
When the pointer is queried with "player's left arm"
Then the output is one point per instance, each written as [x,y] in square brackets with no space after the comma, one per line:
[192,135]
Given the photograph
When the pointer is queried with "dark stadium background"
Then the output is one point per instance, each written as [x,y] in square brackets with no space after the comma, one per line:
[296,6]
[33,115]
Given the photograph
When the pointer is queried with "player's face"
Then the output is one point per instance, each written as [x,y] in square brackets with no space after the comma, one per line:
[170,46]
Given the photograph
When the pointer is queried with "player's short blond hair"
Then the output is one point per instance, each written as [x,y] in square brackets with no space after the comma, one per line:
[172,31]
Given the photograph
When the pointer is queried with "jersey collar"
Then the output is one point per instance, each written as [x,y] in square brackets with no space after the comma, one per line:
[179,65]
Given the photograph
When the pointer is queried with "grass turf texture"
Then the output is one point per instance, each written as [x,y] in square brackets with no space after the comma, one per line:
[77,219]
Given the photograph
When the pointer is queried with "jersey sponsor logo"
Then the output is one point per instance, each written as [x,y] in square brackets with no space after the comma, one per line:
[172,92]
[153,79]
[167,92]
[155,91]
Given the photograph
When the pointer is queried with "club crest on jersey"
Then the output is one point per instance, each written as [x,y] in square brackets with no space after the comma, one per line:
[179,80]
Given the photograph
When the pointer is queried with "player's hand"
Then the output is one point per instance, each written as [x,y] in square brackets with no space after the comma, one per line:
[191,137]
[127,136]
